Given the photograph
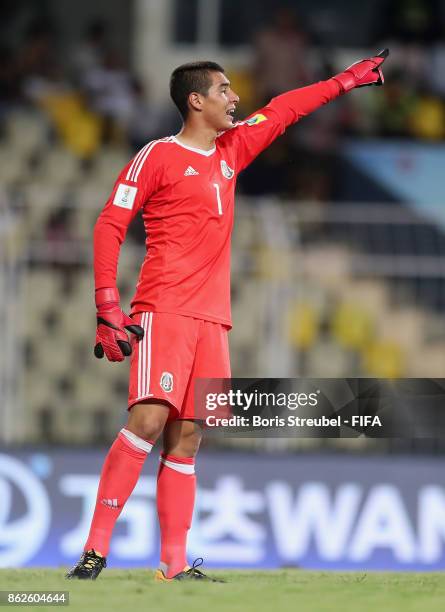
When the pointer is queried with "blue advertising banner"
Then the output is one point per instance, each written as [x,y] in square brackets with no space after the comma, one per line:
[411,171]
[255,511]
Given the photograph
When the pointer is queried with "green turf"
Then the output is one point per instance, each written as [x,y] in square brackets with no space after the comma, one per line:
[271,591]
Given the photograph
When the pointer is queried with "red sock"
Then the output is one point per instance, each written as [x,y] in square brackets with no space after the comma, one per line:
[175,500]
[119,476]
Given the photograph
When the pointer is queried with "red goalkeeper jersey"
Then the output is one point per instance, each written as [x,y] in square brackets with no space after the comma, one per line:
[186,196]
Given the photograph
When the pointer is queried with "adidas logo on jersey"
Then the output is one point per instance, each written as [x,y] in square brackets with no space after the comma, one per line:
[190,171]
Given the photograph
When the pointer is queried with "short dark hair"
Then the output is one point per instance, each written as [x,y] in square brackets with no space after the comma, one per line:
[194,76]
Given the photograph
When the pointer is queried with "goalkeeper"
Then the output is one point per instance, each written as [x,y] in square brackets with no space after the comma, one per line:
[184,186]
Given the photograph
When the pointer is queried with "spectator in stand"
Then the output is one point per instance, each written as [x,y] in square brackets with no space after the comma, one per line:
[148,120]
[110,91]
[428,120]
[410,111]
[281,56]
[397,104]
[91,52]
[37,68]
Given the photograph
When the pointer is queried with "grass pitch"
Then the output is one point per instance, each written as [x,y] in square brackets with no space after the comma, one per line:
[268,591]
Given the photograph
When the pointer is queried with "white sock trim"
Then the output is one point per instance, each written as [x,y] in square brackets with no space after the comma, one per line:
[184,468]
[136,440]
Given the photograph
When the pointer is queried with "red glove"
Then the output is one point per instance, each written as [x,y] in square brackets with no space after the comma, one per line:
[363,73]
[111,337]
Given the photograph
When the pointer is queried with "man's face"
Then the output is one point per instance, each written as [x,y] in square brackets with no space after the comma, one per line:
[220,103]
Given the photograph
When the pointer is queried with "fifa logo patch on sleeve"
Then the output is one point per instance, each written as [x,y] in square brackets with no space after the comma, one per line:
[256,119]
[125,196]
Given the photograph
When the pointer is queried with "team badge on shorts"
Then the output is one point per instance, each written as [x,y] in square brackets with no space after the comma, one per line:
[227,172]
[167,382]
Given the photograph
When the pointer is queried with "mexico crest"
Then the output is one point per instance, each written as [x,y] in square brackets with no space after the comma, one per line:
[167,382]
[226,171]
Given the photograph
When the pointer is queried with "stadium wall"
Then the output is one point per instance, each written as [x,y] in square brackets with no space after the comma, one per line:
[313,511]
[155,55]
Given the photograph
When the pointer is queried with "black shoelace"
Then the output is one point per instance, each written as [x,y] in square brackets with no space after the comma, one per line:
[196,563]
[194,571]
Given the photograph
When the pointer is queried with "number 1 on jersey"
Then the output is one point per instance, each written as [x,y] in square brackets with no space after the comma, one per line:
[218,198]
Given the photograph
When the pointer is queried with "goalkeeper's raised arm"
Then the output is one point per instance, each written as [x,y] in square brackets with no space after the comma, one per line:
[291,106]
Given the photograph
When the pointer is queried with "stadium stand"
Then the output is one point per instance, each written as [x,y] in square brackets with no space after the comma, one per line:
[335,323]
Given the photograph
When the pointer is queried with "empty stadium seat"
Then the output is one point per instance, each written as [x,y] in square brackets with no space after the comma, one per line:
[26,131]
[59,167]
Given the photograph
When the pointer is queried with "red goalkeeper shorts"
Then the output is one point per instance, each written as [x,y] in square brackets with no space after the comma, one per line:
[176,350]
